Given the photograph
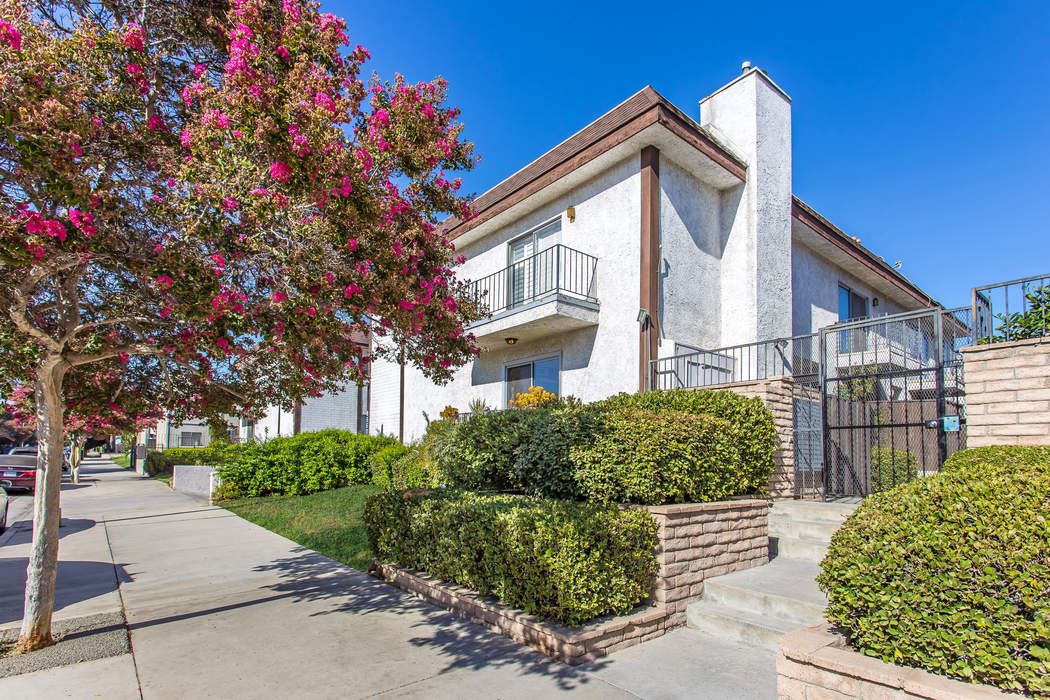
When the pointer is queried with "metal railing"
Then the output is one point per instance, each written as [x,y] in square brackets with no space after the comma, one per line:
[797,356]
[1013,310]
[556,271]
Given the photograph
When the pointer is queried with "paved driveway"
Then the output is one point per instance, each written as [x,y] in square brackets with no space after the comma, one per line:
[219,607]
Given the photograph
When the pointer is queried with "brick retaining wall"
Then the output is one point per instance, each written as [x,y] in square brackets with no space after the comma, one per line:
[695,541]
[814,662]
[1008,393]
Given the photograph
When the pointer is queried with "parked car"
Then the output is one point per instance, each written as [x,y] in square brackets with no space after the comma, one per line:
[18,472]
[3,510]
[30,450]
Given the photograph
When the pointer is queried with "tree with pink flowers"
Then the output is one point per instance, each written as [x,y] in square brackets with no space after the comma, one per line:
[219,202]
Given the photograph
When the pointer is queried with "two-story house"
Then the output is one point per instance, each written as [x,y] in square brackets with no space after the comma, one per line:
[645,235]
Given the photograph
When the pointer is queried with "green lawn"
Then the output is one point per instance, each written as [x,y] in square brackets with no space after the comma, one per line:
[123,460]
[328,522]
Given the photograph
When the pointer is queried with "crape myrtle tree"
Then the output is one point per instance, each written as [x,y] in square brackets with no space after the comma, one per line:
[100,399]
[223,202]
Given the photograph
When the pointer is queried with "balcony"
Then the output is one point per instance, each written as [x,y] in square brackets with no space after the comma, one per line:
[550,292]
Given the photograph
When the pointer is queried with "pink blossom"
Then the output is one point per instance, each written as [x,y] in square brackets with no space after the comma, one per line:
[322,99]
[219,260]
[406,305]
[427,111]
[170,182]
[278,297]
[450,304]
[133,69]
[345,187]
[237,134]
[83,222]
[77,150]
[229,203]
[380,117]
[352,244]
[124,358]
[164,282]
[329,277]
[97,122]
[36,250]
[261,191]
[11,35]
[154,123]
[186,138]
[199,69]
[283,53]
[166,311]
[311,312]
[351,290]
[132,38]
[365,158]
[223,343]
[280,171]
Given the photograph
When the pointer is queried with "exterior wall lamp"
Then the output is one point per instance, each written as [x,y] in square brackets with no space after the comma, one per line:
[510,341]
[571,213]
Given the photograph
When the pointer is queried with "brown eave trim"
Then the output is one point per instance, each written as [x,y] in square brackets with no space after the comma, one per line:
[837,237]
[642,110]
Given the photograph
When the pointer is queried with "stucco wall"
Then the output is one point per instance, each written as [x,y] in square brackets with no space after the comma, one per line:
[597,361]
[691,251]
[754,117]
[815,291]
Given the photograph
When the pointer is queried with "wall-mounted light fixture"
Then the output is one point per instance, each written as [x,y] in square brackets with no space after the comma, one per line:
[571,213]
[875,302]
[643,315]
[510,341]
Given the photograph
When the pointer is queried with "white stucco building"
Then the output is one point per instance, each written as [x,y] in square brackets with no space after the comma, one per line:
[645,235]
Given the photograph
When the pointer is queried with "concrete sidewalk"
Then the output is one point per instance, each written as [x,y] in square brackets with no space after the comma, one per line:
[219,607]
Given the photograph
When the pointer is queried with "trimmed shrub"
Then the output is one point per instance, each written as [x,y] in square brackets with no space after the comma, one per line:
[301,464]
[212,455]
[524,450]
[398,468]
[951,573]
[654,458]
[748,422]
[563,561]
[382,461]
[158,463]
[890,468]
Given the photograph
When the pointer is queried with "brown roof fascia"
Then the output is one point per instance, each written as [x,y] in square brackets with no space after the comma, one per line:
[642,110]
[840,239]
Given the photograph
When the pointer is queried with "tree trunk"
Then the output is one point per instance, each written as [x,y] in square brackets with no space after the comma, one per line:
[43,558]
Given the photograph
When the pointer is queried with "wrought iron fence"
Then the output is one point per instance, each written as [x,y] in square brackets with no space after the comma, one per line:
[1013,310]
[557,270]
[796,356]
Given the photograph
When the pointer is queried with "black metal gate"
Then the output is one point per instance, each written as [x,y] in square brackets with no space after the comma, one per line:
[893,398]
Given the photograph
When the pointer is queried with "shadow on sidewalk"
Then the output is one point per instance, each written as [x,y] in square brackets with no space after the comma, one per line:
[77,581]
[466,645]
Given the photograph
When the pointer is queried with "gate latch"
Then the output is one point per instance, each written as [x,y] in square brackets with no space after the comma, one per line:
[949,424]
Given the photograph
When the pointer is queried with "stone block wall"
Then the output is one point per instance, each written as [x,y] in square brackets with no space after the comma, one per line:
[195,480]
[814,662]
[1008,393]
[698,541]
[778,394]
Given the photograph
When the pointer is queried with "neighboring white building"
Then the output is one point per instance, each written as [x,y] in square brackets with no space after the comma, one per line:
[645,235]
[344,410]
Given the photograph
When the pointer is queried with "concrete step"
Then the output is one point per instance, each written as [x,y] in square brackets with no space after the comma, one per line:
[798,549]
[785,525]
[831,512]
[732,624]
[785,589]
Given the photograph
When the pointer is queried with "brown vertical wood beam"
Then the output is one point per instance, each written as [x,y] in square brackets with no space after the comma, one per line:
[648,293]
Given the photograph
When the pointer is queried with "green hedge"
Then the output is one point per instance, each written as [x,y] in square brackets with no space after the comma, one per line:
[749,424]
[563,561]
[397,468]
[214,454]
[301,464]
[524,450]
[891,468]
[158,463]
[653,458]
[951,573]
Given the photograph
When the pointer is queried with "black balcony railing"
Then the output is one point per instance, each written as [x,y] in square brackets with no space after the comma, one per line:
[556,271]
[1014,310]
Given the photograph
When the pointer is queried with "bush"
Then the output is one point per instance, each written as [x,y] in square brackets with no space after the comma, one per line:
[397,467]
[158,463]
[519,450]
[212,455]
[951,573]
[748,422]
[563,561]
[890,468]
[655,458]
[535,397]
[301,464]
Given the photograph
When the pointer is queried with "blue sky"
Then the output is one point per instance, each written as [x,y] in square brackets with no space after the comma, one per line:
[922,128]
